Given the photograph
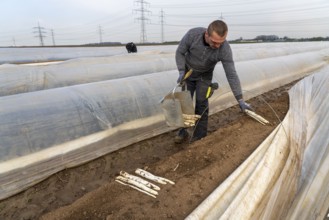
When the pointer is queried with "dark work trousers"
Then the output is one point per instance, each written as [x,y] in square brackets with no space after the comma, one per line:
[199,87]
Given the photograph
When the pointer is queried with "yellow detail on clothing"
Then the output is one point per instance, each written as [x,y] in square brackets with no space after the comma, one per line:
[208,92]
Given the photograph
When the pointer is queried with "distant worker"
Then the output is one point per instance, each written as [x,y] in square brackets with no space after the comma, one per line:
[131,47]
[200,49]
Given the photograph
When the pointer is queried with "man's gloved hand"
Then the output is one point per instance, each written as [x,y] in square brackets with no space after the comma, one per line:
[181,76]
[243,105]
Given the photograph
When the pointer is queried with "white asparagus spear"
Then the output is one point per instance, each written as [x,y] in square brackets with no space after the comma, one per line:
[150,176]
[134,187]
[191,117]
[189,124]
[140,180]
[189,121]
[256,117]
[137,184]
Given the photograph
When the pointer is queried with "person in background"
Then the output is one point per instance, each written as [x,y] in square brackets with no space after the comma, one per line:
[200,50]
[131,47]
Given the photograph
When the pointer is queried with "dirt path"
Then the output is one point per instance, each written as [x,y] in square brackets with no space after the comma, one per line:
[90,192]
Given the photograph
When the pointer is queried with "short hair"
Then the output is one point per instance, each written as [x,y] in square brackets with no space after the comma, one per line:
[218,26]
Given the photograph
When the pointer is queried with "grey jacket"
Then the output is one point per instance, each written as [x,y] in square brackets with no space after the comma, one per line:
[193,52]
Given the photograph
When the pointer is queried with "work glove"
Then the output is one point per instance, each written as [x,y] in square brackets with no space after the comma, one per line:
[243,106]
[181,77]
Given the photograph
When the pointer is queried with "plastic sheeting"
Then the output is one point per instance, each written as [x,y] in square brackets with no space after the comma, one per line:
[46,54]
[287,177]
[271,73]
[266,50]
[46,131]
[16,79]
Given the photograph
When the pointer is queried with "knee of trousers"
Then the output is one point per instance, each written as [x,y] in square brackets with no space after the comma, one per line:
[201,107]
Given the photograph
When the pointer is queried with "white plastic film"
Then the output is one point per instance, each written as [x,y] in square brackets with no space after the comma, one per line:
[262,75]
[46,131]
[46,54]
[287,177]
[16,79]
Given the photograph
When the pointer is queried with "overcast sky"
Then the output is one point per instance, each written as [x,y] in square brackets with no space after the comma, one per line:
[82,21]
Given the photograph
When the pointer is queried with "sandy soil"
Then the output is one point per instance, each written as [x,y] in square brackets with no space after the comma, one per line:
[90,192]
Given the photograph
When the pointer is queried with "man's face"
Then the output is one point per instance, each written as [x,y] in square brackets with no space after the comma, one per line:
[214,40]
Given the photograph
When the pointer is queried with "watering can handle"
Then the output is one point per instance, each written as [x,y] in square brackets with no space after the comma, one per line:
[187,75]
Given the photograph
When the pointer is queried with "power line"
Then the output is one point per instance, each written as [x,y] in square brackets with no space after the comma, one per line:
[207,4]
[221,16]
[40,31]
[162,22]
[143,18]
[100,31]
[53,37]
[14,42]
[294,18]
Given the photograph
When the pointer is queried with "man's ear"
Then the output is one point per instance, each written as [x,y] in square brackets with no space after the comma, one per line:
[206,36]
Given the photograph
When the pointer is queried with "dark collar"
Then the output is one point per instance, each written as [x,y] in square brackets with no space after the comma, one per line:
[204,40]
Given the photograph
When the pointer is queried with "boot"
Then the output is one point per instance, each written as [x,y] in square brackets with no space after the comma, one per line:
[181,136]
